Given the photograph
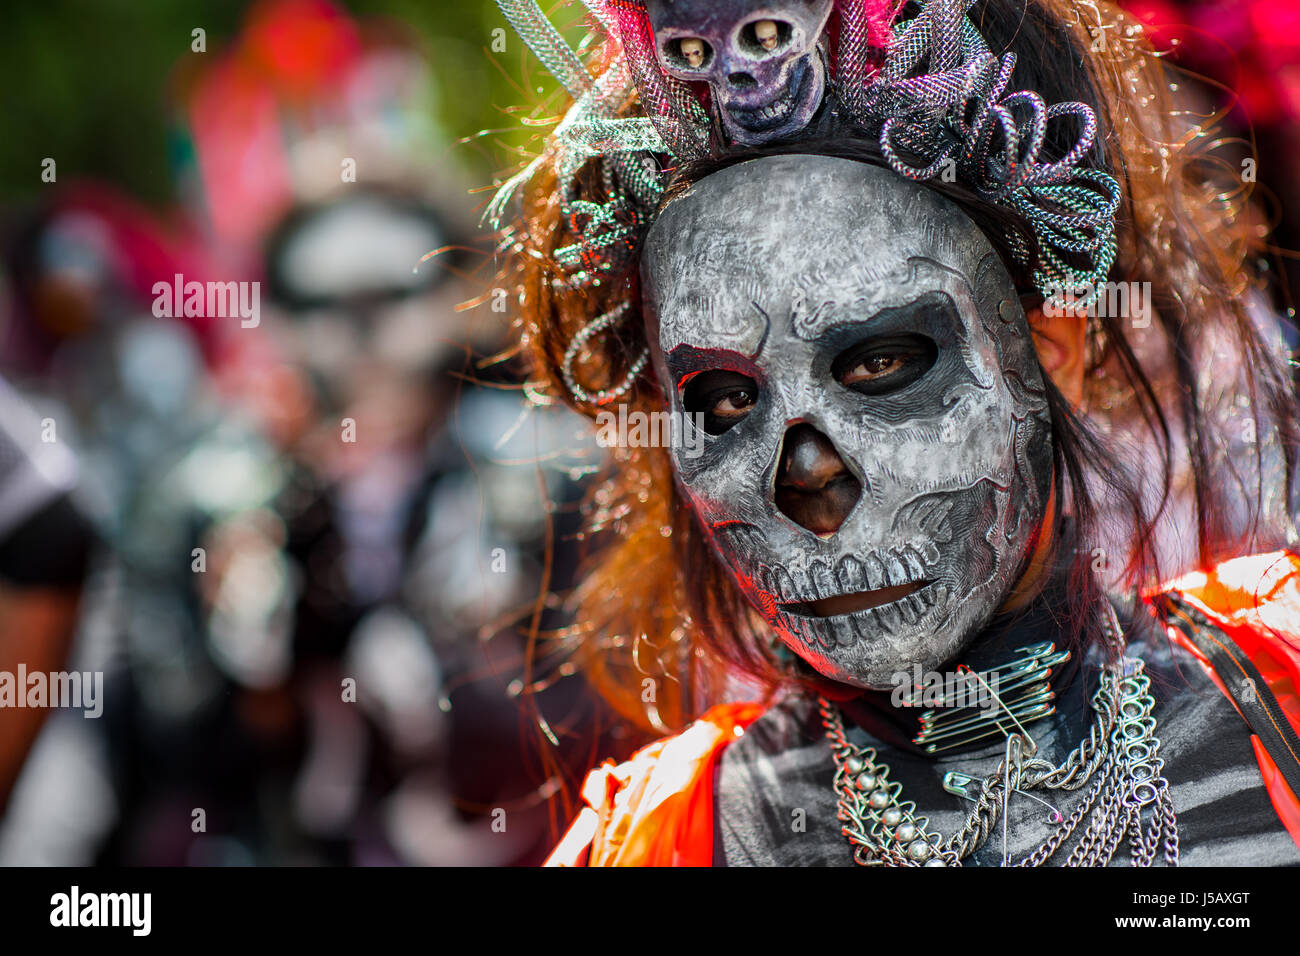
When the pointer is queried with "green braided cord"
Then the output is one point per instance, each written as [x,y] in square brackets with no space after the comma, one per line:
[1086,225]
[540,35]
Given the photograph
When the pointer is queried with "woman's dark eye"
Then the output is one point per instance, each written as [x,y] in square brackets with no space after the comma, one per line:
[884,365]
[723,398]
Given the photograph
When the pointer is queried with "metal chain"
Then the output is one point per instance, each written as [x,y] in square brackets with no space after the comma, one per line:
[1064,831]
[1144,846]
[1169,826]
[885,830]
[882,829]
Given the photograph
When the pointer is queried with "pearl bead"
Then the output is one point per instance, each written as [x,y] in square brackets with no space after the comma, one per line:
[866,782]
[920,850]
[906,833]
[854,765]
[879,799]
[892,817]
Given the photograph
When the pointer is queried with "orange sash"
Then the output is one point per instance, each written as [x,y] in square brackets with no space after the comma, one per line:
[655,809]
[1255,600]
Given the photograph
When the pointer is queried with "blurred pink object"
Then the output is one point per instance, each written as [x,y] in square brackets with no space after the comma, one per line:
[1252,47]
[289,67]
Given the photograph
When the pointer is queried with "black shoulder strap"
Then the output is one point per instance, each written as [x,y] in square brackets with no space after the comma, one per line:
[1247,687]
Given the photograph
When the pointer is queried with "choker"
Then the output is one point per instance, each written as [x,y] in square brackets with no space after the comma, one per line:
[981,704]
[1129,795]
[998,685]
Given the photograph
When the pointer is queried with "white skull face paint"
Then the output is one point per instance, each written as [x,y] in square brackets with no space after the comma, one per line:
[879,450]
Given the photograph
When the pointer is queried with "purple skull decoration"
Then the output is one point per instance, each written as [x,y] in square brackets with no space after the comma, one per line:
[762,60]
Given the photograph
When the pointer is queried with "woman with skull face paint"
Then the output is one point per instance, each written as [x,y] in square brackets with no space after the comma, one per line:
[901,459]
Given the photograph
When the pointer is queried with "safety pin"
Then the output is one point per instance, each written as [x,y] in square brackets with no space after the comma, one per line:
[943,708]
[973,713]
[1031,666]
[959,785]
[1033,745]
[1037,713]
[1040,658]
[1018,706]
[1009,677]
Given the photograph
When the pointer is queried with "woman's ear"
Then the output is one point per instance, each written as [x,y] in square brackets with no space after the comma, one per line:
[1061,342]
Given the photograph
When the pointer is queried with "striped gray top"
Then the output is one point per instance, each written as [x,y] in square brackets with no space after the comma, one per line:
[776,807]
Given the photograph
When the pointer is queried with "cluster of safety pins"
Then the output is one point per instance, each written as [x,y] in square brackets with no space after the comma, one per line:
[1026,696]
[1020,691]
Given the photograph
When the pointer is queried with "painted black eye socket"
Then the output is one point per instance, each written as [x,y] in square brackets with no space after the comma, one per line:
[880,366]
[722,397]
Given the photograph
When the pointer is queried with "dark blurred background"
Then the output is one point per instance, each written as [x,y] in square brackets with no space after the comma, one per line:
[301,532]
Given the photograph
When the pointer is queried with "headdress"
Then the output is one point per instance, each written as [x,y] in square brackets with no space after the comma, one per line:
[927,87]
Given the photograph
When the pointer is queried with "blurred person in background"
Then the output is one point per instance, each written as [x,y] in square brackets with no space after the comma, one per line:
[128,392]
[322,517]
[45,545]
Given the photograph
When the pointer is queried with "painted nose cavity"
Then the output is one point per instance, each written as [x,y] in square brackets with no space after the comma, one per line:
[814,487]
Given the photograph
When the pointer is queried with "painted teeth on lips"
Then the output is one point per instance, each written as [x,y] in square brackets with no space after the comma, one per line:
[914,595]
[897,576]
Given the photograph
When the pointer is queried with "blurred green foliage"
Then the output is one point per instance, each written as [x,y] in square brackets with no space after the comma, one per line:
[88,82]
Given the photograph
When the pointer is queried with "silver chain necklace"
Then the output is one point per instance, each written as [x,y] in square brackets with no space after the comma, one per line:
[1120,751]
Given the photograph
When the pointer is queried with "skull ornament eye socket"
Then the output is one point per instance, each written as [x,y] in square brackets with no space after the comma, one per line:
[764,62]
[880,453]
[765,36]
[688,53]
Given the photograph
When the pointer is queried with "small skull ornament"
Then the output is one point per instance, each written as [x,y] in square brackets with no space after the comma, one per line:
[761,60]
[877,459]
